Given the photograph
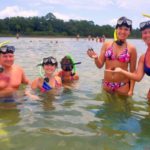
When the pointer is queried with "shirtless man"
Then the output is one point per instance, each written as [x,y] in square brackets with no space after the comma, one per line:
[11,75]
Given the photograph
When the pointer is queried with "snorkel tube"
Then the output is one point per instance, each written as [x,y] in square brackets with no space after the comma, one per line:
[4,43]
[146,15]
[119,42]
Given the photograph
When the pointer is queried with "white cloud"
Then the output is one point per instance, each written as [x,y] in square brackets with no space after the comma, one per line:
[133,4]
[12,11]
[67,17]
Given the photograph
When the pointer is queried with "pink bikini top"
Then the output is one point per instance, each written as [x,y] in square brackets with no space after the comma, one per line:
[123,57]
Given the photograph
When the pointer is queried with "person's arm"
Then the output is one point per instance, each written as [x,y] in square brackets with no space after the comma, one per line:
[34,84]
[99,60]
[133,59]
[136,76]
[25,80]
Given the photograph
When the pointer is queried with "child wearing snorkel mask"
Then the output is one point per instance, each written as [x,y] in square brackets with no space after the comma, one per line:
[68,73]
[48,80]
[117,53]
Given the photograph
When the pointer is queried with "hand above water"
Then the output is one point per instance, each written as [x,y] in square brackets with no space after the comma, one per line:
[117,69]
[91,53]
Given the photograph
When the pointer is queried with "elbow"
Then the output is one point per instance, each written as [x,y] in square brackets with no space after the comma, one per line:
[138,79]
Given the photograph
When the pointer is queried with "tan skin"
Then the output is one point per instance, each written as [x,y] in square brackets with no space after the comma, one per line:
[66,75]
[12,77]
[138,75]
[110,76]
[49,72]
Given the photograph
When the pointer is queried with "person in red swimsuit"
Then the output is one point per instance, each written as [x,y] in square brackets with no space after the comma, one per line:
[114,54]
[144,63]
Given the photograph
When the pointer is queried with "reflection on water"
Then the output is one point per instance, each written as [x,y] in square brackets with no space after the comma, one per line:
[80,116]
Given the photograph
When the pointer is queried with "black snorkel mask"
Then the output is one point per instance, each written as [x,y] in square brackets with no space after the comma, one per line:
[49,61]
[7,49]
[144,25]
[123,21]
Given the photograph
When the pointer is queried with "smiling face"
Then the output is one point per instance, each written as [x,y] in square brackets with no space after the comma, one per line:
[146,36]
[49,69]
[7,59]
[122,33]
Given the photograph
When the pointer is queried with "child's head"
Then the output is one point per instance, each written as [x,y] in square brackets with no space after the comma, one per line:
[66,64]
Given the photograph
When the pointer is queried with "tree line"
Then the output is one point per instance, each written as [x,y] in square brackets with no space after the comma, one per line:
[49,25]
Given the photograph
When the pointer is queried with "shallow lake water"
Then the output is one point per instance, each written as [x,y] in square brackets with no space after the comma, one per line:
[83,117]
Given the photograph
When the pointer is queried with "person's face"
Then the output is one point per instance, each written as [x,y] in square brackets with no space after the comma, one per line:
[146,36]
[123,32]
[49,69]
[7,60]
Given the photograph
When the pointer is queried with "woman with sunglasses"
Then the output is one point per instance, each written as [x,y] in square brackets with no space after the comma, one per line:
[49,80]
[11,75]
[143,63]
[114,54]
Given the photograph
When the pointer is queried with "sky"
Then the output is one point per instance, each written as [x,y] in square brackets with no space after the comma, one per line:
[101,12]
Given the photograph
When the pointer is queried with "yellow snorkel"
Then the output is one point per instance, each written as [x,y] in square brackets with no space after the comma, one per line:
[115,35]
[146,15]
[4,43]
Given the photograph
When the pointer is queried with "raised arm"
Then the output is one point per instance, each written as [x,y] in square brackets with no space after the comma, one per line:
[99,60]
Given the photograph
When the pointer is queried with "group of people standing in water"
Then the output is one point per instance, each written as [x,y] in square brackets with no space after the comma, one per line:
[118,56]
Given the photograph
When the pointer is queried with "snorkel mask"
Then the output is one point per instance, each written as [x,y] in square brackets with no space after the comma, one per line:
[144,25]
[49,61]
[7,49]
[46,61]
[123,21]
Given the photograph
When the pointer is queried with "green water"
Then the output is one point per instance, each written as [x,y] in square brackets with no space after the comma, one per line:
[82,117]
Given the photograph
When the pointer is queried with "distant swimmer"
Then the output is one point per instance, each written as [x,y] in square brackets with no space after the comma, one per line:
[17,35]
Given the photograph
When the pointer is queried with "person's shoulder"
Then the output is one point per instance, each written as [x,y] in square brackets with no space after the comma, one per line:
[76,76]
[107,43]
[17,67]
[57,78]
[131,46]
[142,58]
[59,73]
